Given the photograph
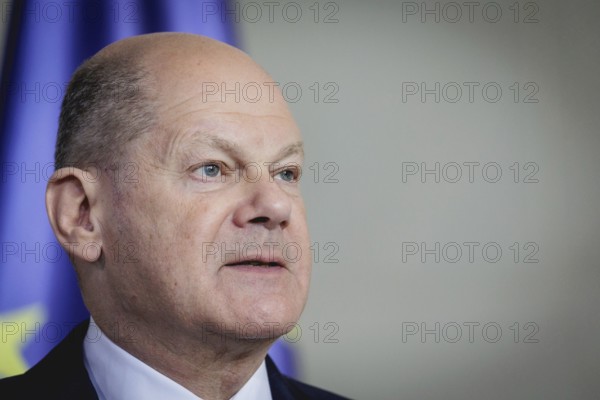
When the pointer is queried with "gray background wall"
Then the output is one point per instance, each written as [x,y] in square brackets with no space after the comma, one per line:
[527,329]
[374,51]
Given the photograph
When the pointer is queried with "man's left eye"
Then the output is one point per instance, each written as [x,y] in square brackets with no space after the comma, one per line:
[288,175]
[209,170]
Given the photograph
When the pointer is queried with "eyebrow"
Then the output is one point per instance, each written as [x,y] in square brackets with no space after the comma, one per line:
[293,149]
[226,146]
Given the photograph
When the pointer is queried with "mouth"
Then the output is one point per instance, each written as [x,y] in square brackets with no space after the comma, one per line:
[256,263]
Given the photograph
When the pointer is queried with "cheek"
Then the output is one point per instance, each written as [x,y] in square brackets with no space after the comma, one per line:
[144,229]
[201,225]
[178,240]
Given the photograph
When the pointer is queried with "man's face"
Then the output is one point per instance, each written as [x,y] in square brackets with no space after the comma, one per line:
[215,225]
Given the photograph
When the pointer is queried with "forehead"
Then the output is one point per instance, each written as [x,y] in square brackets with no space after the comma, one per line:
[226,96]
[240,135]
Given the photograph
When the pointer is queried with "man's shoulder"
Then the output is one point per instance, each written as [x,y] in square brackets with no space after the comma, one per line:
[36,386]
[14,387]
[59,375]
[284,387]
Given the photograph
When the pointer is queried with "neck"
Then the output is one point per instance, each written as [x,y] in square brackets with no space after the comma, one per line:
[213,366]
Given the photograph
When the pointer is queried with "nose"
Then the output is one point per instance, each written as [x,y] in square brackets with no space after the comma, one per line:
[265,203]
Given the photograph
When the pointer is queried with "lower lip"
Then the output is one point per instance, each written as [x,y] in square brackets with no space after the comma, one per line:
[255,269]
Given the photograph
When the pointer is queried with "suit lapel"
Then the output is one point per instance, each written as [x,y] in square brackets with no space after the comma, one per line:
[279,384]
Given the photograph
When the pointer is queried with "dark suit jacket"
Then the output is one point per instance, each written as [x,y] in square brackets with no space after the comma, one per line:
[61,375]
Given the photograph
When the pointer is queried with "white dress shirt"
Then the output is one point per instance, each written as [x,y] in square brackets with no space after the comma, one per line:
[117,375]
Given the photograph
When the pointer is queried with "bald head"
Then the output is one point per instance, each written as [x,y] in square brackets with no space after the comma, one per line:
[120,93]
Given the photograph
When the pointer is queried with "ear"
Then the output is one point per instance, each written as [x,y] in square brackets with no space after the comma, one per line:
[71,197]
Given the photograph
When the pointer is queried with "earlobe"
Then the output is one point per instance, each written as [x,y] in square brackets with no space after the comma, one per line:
[69,200]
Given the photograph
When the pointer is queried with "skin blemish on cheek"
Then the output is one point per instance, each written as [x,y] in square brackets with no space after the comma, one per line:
[133,299]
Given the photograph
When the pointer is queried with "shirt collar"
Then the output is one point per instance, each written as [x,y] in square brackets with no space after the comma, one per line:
[118,375]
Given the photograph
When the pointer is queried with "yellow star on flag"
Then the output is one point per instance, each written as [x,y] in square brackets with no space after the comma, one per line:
[15,329]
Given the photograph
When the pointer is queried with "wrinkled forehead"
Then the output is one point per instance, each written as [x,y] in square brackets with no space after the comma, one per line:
[220,91]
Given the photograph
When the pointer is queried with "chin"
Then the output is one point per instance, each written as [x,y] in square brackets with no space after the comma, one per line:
[269,319]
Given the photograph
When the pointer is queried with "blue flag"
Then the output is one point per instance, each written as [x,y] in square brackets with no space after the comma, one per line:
[39,298]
